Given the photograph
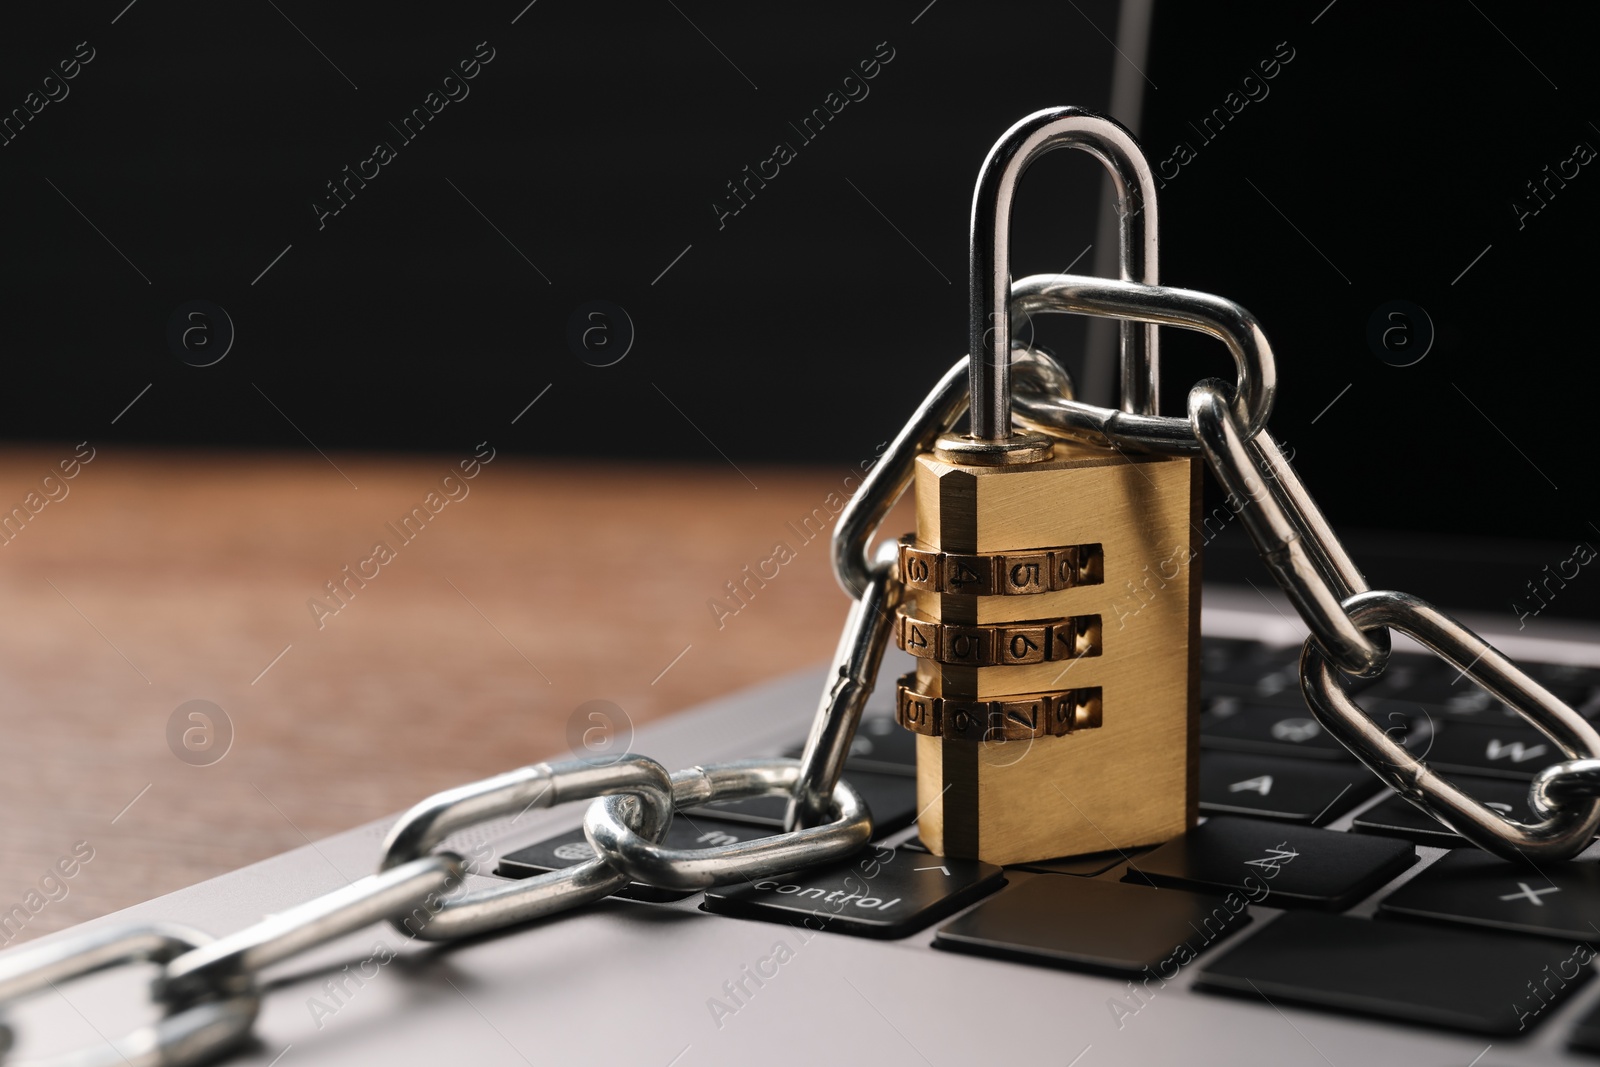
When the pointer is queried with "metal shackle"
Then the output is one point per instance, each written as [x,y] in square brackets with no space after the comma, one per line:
[989,278]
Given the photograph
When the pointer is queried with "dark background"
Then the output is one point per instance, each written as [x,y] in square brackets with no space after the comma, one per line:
[435,307]
[1392,149]
[595,142]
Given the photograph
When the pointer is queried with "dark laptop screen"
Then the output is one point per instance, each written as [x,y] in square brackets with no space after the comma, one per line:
[408,211]
[1408,197]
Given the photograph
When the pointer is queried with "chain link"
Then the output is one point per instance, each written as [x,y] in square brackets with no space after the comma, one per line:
[890,477]
[1563,829]
[1300,559]
[1251,398]
[229,965]
[543,785]
[853,674]
[625,850]
[190,1032]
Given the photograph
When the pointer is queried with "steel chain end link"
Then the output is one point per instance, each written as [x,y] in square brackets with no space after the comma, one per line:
[1564,783]
[189,1033]
[1568,816]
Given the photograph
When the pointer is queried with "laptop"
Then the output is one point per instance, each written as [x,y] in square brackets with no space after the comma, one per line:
[1316,167]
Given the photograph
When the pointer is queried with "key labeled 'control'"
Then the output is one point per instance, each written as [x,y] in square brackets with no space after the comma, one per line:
[886,893]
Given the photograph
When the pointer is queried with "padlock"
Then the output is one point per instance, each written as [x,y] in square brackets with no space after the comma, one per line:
[1052,588]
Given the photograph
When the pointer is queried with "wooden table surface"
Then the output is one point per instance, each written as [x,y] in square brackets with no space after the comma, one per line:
[164,577]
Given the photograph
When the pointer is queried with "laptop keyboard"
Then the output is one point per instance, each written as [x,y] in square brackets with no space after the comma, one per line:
[1471,943]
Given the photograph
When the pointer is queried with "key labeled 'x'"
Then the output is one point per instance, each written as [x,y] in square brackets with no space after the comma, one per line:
[1525,891]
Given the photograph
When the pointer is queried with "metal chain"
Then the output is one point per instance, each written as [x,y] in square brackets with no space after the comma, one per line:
[1349,622]
[209,988]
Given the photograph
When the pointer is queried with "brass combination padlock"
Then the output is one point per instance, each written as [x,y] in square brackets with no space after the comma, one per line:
[1052,588]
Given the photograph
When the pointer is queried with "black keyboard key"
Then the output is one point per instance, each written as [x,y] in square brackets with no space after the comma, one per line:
[1436,718]
[1101,927]
[883,744]
[1461,979]
[1275,864]
[1568,674]
[1079,866]
[1554,899]
[1220,655]
[1083,866]
[1294,790]
[1575,685]
[1243,667]
[880,744]
[1449,694]
[1269,677]
[1474,705]
[1466,702]
[686,831]
[884,893]
[1503,751]
[1406,675]
[1448,691]
[1234,725]
[1276,685]
[892,798]
[1398,817]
